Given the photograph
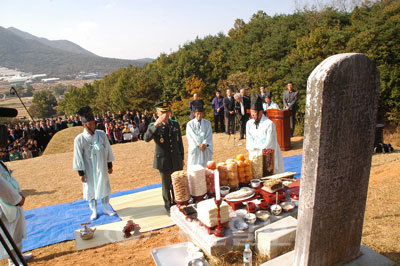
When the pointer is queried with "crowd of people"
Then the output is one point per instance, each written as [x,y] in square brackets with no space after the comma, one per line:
[235,108]
[29,139]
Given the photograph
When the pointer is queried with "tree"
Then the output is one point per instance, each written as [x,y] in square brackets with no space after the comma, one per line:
[43,104]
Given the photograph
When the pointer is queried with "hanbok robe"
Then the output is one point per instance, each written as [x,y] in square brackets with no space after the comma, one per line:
[264,137]
[12,216]
[199,133]
[92,153]
[272,105]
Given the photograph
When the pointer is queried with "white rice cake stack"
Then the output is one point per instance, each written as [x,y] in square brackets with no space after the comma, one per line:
[207,212]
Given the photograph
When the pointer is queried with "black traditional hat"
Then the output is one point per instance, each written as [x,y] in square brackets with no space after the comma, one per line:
[256,103]
[86,114]
[198,106]
[163,106]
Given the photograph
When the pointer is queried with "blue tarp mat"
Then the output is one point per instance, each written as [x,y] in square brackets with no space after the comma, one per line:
[57,223]
[293,164]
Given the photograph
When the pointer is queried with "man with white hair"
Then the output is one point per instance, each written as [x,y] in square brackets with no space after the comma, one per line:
[241,107]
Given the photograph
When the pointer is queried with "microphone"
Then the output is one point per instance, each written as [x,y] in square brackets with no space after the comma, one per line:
[8,112]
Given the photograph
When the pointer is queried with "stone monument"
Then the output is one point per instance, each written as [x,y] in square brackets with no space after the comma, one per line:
[340,118]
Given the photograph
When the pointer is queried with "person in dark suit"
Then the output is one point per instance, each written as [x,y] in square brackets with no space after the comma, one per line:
[264,93]
[242,107]
[290,104]
[169,152]
[229,112]
[218,106]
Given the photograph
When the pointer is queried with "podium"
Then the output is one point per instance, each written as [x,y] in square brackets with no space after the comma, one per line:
[281,120]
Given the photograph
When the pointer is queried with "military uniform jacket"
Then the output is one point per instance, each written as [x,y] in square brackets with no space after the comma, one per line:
[169,152]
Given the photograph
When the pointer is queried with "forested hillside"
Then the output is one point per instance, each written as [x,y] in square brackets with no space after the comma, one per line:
[266,50]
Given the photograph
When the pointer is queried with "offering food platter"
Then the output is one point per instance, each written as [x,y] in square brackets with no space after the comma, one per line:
[241,199]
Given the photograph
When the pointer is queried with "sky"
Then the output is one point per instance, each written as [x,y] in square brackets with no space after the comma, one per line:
[132,29]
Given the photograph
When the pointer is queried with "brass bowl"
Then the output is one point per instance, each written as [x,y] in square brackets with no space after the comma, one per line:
[276,209]
[87,234]
[250,218]
[263,215]
[288,206]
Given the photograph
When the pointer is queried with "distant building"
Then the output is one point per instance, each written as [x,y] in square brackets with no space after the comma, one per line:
[50,80]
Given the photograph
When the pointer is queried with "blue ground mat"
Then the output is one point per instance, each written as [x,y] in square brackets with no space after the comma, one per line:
[57,223]
[293,164]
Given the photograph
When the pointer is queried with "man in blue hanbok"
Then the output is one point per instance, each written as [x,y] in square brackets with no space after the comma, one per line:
[93,161]
[199,136]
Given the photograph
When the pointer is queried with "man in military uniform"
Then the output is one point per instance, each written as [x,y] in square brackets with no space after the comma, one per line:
[169,153]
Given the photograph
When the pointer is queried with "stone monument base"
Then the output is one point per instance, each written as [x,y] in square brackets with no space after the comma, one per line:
[368,258]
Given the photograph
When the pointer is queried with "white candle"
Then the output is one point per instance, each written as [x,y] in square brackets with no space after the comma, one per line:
[216,183]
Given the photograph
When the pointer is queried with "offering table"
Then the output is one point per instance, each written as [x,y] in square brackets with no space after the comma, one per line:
[234,239]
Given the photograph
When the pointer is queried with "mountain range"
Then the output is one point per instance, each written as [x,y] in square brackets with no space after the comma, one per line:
[61,58]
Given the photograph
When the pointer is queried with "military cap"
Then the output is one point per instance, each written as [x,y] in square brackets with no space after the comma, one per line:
[256,103]
[163,106]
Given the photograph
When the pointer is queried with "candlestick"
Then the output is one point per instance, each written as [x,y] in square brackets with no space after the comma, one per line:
[219,230]
[216,184]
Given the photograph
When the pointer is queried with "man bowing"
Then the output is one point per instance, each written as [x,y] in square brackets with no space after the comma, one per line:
[93,161]
[199,136]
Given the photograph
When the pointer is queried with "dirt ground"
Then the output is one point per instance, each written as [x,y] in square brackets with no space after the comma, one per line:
[50,180]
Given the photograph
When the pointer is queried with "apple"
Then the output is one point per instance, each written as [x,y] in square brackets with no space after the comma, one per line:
[211,165]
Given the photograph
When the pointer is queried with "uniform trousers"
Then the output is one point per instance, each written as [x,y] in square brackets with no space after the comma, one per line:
[167,191]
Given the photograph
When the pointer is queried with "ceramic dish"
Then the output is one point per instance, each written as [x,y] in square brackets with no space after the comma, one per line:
[255,183]
[263,215]
[287,206]
[225,190]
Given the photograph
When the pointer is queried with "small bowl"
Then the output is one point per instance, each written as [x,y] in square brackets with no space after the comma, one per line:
[250,218]
[241,212]
[288,206]
[276,209]
[255,183]
[225,190]
[263,215]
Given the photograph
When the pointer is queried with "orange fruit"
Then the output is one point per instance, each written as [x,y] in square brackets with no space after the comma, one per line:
[240,157]
[240,163]
[247,162]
